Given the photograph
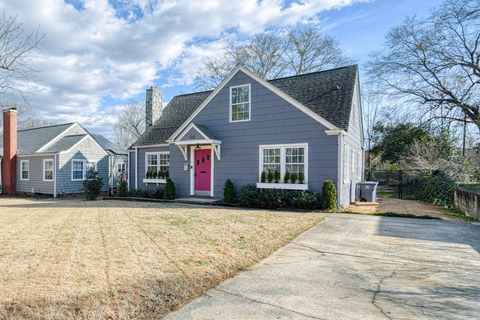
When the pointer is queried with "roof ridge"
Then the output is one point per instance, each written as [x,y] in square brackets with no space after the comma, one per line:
[192,93]
[315,72]
[50,126]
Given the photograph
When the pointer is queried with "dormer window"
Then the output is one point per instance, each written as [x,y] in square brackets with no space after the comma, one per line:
[240,103]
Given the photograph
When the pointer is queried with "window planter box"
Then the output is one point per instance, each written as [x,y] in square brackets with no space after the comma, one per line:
[286,186]
[145,180]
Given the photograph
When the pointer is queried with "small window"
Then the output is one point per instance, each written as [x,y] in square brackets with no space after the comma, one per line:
[78,170]
[47,170]
[240,103]
[25,169]
[121,167]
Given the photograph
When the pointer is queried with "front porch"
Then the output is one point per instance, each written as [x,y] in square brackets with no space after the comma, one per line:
[200,150]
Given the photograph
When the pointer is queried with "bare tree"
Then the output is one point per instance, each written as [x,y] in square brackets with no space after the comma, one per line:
[298,50]
[17,49]
[29,122]
[435,61]
[130,124]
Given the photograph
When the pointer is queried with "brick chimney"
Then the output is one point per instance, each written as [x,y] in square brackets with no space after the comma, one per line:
[153,106]
[9,163]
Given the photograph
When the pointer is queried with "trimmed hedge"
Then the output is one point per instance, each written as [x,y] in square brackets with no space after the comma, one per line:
[251,197]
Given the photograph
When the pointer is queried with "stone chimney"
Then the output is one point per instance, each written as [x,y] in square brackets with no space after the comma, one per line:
[153,106]
[9,163]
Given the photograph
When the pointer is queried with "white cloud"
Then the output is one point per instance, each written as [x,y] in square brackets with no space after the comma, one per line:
[105,52]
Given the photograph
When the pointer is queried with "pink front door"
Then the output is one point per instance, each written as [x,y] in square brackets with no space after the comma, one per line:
[202,169]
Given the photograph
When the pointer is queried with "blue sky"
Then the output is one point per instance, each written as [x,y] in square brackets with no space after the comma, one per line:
[99,55]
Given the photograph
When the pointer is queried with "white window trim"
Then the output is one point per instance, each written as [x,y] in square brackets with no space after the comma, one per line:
[249,103]
[53,169]
[84,173]
[293,186]
[21,170]
[158,153]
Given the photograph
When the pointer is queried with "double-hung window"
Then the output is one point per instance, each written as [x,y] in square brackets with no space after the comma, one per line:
[240,103]
[24,169]
[79,168]
[157,164]
[47,170]
[288,161]
[121,167]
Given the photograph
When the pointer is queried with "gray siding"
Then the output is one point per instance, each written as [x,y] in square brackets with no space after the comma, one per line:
[273,121]
[192,134]
[35,183]
[89,151]
[354,141]
[141,167]
[131,170]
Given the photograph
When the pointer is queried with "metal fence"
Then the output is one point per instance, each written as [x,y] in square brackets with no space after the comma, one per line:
[395,183]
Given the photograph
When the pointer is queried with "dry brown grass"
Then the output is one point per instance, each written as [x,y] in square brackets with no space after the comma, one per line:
[123,260]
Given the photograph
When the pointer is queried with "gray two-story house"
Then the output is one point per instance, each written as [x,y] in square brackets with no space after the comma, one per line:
[288,133]
[54,160]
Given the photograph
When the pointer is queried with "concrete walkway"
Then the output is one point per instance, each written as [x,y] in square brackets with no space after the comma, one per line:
[358,267]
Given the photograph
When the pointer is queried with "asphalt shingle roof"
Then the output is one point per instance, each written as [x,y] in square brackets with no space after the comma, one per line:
[108,145]
[328,93]
[173,116]
[30,140]
[65,143]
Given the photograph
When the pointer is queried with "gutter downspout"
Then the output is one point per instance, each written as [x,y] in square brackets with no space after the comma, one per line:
[55,175]
[340,170]
[136,168]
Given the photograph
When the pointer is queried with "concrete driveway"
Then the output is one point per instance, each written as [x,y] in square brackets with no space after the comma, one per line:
[358,267]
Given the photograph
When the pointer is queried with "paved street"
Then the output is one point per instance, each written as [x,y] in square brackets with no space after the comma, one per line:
[358,267]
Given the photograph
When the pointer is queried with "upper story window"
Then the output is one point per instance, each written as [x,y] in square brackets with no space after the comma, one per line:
[240,103]
[47,170]
[25,169]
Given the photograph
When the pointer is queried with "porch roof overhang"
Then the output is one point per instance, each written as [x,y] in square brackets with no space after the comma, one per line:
[205,138]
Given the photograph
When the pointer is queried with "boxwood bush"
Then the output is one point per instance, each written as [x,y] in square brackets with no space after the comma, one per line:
[251,197]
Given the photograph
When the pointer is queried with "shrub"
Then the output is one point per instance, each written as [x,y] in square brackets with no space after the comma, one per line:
[286,178]
[249,196]
[293,177]
[136,193]
[229,195]
[300,177]
[160,175]
[158,193]
[252,197]
[270,176]
[263,177]
[92,185]
[436,188]
[329,196]
[305,200]
[123,189]
[169,193]
[167,174]
[276,176]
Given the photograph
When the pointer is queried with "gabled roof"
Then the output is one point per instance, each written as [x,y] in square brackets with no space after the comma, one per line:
[173,116]
[31,140]
[65,143]
[108,145]
[327,94]
[48,139]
